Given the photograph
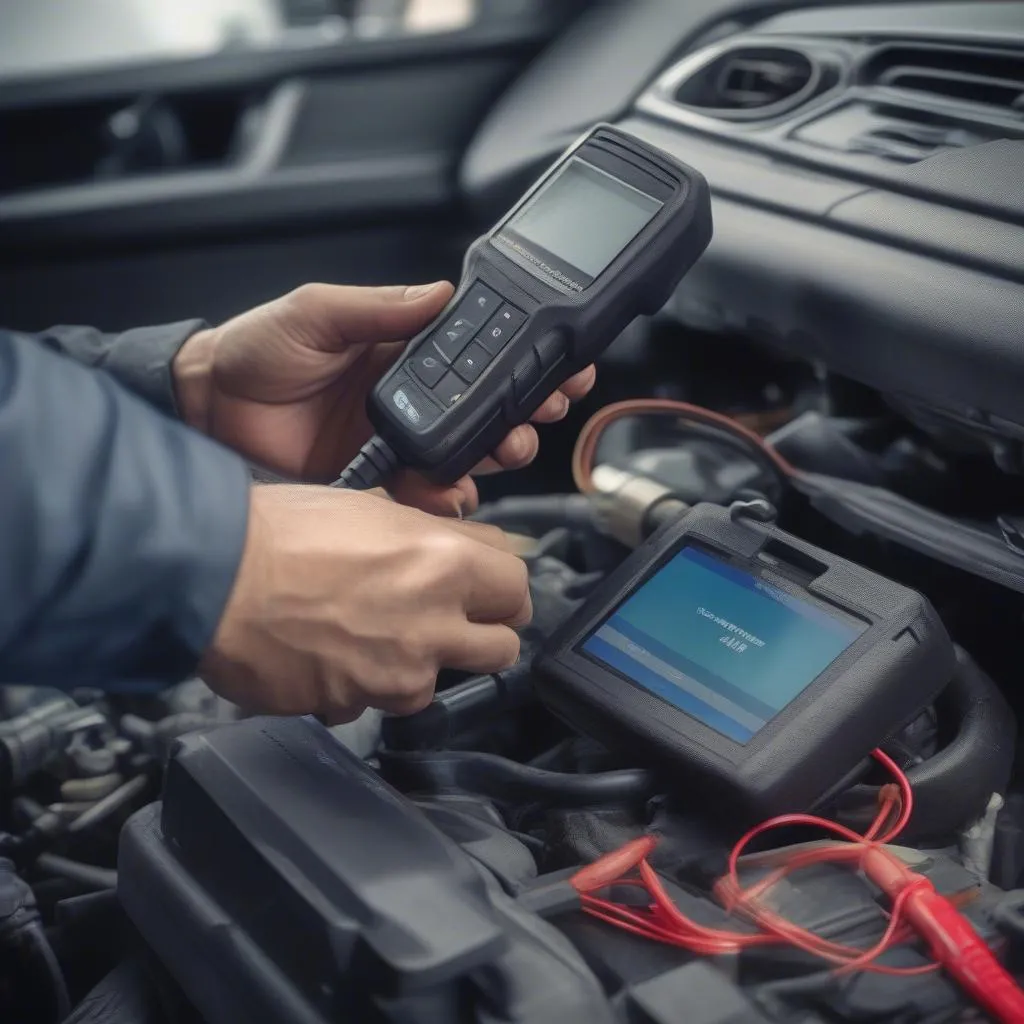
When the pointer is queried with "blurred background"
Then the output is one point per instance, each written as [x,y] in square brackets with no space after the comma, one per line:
[165,160]
[52,36]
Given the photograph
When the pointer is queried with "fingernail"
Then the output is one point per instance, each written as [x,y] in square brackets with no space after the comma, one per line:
[418,291]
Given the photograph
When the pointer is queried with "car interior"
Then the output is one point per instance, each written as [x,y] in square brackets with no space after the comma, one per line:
[837,381]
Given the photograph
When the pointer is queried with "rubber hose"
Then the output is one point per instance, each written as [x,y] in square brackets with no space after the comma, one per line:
[952,788]
[84,874]
[459,708]
[539,513]
[34,937]
[92,789]
[508,782]
[110,804]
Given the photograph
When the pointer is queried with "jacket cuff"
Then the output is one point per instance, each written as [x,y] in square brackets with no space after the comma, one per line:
[140,359]
[220,512]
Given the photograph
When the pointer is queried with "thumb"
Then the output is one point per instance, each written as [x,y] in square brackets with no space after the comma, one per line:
[347,315]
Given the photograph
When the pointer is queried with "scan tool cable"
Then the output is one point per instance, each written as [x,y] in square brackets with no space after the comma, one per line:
[372,467]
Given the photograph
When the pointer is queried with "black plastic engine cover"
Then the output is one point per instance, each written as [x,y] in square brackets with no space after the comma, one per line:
[281,880]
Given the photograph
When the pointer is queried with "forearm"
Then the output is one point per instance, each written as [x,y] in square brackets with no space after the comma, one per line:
[120,530]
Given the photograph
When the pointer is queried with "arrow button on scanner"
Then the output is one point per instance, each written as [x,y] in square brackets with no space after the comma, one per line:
[453,337]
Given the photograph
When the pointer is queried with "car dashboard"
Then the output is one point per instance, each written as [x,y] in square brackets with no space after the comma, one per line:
[867,168]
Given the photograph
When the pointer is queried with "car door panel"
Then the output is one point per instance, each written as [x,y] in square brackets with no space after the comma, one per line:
[341,165]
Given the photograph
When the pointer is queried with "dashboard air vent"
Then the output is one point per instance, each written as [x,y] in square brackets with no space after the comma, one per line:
[754,83]
[987,78]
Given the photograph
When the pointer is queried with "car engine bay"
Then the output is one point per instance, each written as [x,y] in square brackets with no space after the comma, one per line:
[848,353]
[489,785]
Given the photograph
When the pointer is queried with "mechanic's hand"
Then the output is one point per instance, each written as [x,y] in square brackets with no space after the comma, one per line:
[286,384]
[346,600]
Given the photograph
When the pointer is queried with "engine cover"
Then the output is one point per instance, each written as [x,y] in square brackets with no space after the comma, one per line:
[281,880]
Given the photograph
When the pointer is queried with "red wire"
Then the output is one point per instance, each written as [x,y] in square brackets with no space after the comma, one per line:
[906,795]
[663,921]
[586,444]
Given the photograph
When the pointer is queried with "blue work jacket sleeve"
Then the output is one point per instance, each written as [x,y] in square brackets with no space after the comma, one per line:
[139,359]
[121,529]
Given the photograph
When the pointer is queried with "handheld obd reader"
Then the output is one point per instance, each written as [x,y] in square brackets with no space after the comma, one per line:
[743,661]
[604,236]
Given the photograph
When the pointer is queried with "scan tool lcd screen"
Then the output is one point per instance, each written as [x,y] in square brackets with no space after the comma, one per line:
[584,217]
[722,645]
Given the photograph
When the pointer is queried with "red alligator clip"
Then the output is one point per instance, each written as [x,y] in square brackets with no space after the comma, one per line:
[612,866]
[950,937]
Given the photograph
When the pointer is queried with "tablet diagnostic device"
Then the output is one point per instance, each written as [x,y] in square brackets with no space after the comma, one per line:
[738,657]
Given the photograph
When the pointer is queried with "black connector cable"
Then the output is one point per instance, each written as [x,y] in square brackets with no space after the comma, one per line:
[374,465]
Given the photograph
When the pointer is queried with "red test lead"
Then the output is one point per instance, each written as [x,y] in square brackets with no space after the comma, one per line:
[950,937]
[916,906]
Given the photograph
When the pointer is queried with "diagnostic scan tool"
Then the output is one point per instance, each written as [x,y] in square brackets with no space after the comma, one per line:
[604,236]
[746,662]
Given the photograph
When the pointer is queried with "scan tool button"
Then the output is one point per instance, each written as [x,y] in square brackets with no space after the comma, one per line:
[449,390]
[550,349]
[454,336]
[526,376]
[428,366]
[412,405]
[471,363]
[500,328]
[479,303]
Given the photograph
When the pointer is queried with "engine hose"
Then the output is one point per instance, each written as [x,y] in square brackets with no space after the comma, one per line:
[34,939]
[952,788]
[110,804]
[85,874]
[458,709]
[508,782]
[536,514]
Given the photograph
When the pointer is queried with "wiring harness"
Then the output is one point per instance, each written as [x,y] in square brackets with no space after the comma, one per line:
[735,431]
[916,907]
